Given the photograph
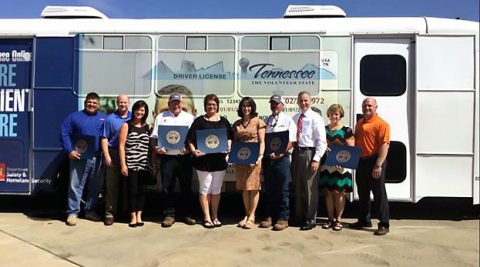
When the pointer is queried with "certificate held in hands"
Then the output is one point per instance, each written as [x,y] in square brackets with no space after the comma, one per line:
[172,137]
[276,143]
[345,156]
[244,153]
[84,145]
[212,140]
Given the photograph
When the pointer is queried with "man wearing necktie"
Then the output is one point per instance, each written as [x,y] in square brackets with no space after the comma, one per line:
[309,149]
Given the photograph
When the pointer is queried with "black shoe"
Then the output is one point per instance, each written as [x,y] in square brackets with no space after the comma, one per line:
[307,226]
[140,224]
[360,225]
[382,230]
[133,225]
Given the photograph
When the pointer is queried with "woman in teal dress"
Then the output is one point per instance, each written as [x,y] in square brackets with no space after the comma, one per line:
[335,180]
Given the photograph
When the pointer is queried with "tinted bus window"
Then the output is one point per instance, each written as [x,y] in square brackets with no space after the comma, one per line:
[396,163]
[123,64]
[383,75]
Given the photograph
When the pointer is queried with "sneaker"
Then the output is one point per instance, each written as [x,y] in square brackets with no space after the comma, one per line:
[92,216]
[168,221]
[382,230]
[189,220]
[266,223]
[108,219]
[71,220]
[280,225]
[360,225]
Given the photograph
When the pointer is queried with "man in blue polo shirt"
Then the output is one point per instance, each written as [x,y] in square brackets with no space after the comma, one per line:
[109,143]
[83,125]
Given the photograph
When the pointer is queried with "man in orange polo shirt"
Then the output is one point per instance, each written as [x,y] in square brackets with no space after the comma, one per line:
[372,135]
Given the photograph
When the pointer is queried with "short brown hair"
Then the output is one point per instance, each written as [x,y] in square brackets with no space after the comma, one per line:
[335,107]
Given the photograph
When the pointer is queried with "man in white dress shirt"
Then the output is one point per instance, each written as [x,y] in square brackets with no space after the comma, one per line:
[174,164]
[276,168]
[309,149]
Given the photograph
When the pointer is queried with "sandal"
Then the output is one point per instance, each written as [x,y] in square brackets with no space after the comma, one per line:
[337,226]
[217,223]
[327,225]
[208,224]
[242,222]
[250,224]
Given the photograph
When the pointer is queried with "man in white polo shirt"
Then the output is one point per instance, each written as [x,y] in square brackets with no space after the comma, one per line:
[174,164]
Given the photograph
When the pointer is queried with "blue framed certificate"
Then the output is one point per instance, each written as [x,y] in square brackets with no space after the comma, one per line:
[276,143]
[172,137]
[345,156]
[212,140]
[84,145]
[244,153]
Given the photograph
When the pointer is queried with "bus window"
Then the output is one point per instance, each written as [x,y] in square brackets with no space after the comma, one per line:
[271,65]
[202,64]
[123,64]
[255,43]
[279,43]
[171,42]
[305,42]
[91,41]
[220,42]
[113,42]
[196,43]
[383,75]
[397,163]
[138,42]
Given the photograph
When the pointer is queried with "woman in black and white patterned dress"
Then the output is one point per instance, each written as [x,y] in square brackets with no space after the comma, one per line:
[134,138]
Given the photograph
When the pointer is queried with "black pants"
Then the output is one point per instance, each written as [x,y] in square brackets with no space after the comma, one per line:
[136,190]
[115,189]
[172,167]
[365,184]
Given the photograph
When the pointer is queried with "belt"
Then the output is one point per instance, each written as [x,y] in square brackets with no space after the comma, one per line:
[304,148]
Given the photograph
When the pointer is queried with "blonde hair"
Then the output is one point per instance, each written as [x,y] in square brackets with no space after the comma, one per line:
[336,107]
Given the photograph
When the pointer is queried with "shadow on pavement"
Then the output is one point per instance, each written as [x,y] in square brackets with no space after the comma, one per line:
[53,206]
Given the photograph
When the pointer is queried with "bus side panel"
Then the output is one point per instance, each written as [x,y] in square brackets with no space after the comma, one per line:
[445,137]
[54,98]
[15,82]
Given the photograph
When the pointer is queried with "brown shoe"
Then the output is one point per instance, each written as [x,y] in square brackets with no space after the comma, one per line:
[280,225]
[382,230]
[108,219]
[189,220]
[168,221]
[266,223]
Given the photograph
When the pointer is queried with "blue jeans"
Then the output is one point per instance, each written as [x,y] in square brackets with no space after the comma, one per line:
[275,173]
[81,172]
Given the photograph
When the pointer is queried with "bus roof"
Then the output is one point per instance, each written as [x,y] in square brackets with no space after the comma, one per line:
[324,26]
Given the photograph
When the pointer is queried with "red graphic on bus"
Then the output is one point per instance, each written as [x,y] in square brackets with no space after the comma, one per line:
[2,172]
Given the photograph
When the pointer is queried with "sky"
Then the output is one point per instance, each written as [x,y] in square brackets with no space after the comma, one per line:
[464,9]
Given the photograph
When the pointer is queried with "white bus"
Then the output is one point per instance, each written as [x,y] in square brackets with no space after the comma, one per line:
[424,73]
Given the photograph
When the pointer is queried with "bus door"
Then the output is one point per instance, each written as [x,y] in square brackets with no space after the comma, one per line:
[446,147]
[382,71]
[15,84]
